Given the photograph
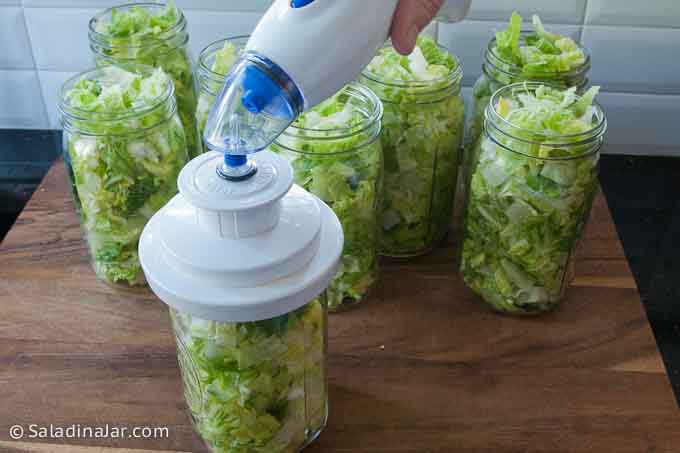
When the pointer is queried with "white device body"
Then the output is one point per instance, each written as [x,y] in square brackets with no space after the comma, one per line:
[324,45]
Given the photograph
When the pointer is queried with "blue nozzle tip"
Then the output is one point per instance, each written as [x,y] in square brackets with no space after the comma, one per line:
[300,3]
[235,160]
[252,102]
[236,167]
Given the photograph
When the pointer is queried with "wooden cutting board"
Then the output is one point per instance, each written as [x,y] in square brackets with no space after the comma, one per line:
[420,367]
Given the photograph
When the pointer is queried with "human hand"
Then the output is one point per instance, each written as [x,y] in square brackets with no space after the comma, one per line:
[410,18]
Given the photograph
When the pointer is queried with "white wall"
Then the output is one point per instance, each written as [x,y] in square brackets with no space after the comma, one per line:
[635,47]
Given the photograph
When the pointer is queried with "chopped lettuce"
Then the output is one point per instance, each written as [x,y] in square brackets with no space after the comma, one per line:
[156,37]
[225,58]
[255,386]
[125,152]
[422,131]
[221,64]
[530,192]
[537,53]
[345,173]
[515,56]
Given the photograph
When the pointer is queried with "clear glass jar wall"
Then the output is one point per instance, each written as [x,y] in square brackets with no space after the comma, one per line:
[256,386]
[498,72]
[214,63]
[422,131]
[155,35]
[336,155]
[529,195]
[123,163]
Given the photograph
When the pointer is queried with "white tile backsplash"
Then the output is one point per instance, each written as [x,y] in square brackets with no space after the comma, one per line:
[16,48]
[634,46]
[636,60]
[100,4]
[211,5]
[206,27]
[21,104]
[562,11]
[469,39]
[655,13]
[50,83]
[59,37]
[642,123]
[226,5]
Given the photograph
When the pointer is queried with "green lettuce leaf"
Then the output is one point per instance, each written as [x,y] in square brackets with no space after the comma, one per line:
[507,41]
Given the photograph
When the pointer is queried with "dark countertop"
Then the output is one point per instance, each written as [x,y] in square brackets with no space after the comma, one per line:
[642,193]
[25,157]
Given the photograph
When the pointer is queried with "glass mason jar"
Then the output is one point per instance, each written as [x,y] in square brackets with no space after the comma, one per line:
[113,40]
[524,214]
[341,163]
[497,73]
[422,132]
[214,62]
[123,167]
[256,386]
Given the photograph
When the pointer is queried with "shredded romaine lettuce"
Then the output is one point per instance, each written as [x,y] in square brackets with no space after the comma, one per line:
[421,136]
[538,53]
[225,58]
[515,56]
[257,386]
[140,34]
[530,192]
[125,153]
[345,173]
[138,22]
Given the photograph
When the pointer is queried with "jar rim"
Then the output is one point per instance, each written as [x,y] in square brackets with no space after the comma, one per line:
[104,39]
[215,46]
[494,120]
[454,76]
[70,112]
[375,113]
[513,70]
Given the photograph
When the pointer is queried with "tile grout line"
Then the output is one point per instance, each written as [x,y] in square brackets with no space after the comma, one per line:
[85,6]
[261,11]
[467,19]
[584,16]
[35,66]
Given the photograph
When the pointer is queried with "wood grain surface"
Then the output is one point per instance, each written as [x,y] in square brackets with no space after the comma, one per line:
[420,367]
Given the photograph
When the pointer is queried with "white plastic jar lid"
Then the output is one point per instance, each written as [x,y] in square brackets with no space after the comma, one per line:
[240,251]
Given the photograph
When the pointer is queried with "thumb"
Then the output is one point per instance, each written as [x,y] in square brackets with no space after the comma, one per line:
[410,18]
